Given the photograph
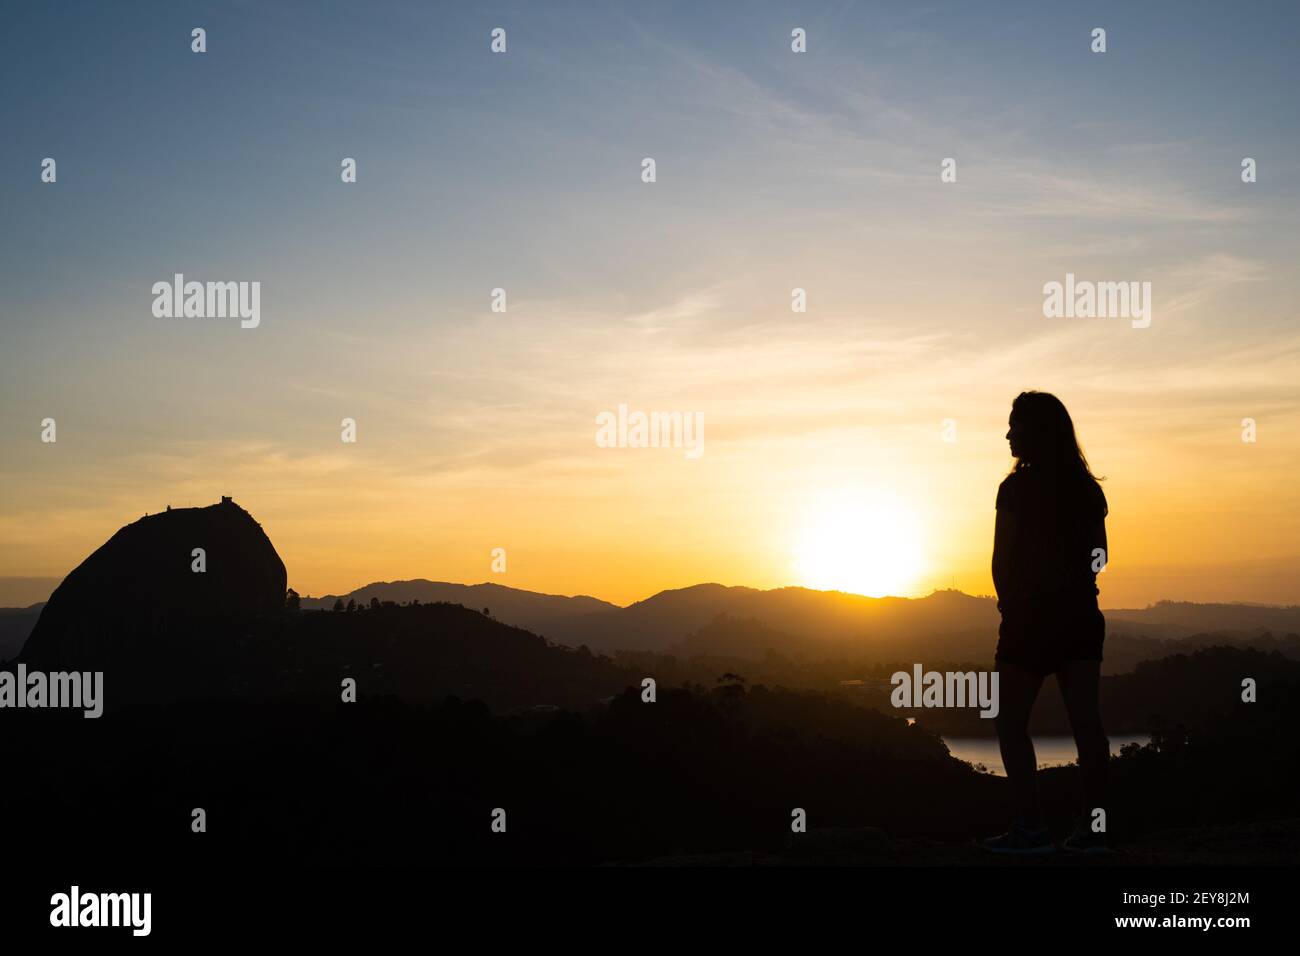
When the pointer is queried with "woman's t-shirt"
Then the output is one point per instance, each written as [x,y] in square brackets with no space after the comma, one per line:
[1052,544]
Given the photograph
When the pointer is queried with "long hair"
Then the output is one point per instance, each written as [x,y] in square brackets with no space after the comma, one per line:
[1047,436]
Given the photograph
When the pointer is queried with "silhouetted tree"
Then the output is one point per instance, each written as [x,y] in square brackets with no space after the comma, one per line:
[292,600]
[352,604]
[338,604]
[374,604]
[732,693]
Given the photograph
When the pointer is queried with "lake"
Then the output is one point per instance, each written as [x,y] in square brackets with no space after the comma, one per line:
[1050,751]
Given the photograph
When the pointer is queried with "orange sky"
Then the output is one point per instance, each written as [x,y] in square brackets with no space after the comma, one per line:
[477,429]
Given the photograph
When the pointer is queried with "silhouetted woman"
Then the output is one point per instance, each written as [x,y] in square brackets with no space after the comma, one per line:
[1049,544]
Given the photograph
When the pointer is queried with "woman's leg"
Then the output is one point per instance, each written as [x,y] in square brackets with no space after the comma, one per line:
[1079,682]
[1017,691]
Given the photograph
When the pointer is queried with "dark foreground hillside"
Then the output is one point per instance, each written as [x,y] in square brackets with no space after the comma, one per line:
[421,654]
[701,775]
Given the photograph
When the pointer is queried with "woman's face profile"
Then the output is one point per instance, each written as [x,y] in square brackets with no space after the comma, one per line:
[1015,437]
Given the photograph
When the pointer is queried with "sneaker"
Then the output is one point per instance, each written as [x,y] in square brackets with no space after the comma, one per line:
[1021,840]
[1082,839]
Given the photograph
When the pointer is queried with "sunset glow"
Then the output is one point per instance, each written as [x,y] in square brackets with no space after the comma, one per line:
[863,545]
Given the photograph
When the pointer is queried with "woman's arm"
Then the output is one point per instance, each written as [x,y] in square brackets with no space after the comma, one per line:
[1003,531]
[1099,538]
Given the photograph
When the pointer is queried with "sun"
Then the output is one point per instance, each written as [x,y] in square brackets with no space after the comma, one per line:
[868,544]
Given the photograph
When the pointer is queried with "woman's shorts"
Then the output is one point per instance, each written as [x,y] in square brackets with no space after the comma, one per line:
[1041,635]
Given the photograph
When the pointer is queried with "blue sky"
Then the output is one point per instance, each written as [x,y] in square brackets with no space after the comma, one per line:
[521,170]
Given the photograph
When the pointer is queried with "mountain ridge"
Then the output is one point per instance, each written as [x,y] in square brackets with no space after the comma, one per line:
[662,621]
[804,620]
